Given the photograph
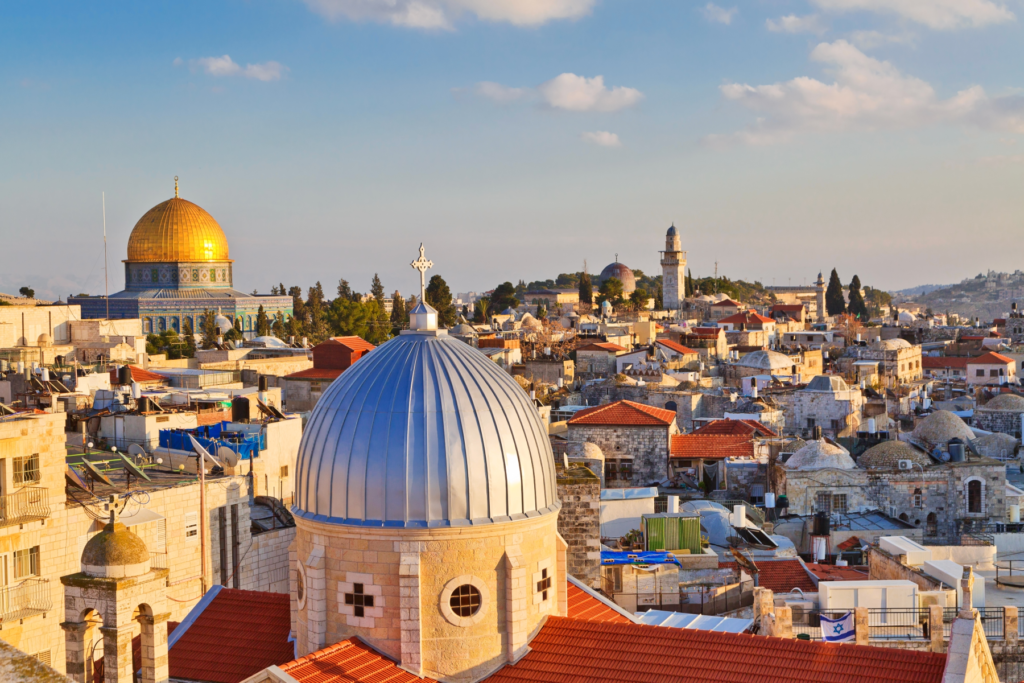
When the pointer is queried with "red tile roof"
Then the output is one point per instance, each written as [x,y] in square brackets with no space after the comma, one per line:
[584,606]
[830,572]
[601,346]
[350,661]
[710,446]
[678,348]
[781,576]
[787,308]
[353,343]
[571,650]
[237,634]
[746,318]
[943,362]
[849,544]
[139,375]
[735,428]
[316,373]
[624,413]
[727,302]
[991,358]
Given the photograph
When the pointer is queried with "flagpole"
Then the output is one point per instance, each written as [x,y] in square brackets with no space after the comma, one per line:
[106,280]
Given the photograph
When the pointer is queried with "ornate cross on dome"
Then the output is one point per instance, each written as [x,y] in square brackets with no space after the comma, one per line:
[423,265]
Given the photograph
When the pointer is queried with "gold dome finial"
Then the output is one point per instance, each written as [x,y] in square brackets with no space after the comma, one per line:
[175,187]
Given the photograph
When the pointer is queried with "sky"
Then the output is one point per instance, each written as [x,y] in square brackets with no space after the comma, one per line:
[517,138]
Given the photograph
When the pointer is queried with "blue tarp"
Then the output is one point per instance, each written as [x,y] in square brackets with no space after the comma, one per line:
[639,557]
[212,437]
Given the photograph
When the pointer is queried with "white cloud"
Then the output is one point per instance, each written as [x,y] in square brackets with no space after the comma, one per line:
[225,66]
[442,14]
[502,94]
[578,93]
[719,15]
[868,94]
[794,24]
[937,14]
[602,138]
[868,40]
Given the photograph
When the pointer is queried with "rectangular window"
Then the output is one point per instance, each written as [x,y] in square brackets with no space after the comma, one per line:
[918,500]
[837,426]
[993,373]
[26,469]
[824,503]
[544,585]
[810,423]
[191,527]
[26,562]
[617,579]
[839,504]
[757,494]
[981,373]
[284,471]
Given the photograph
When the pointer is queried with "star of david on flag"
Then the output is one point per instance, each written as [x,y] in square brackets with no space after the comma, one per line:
[838,630]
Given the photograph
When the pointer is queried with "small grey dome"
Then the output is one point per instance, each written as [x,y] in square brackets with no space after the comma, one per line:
[821,455]
[766,360]
[890,344]
[425,431]
[939,428]
[888,454]
[1008,402]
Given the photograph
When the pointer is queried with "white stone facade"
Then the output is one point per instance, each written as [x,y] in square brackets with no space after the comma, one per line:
[673,272]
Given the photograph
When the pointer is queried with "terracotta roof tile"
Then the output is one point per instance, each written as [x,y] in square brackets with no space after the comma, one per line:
[584,606]
[787,308]
[353,343]
[678,348]
[849,544]
[139,375]
[727,302]
[943,362]
[624,413]
[830,572]
[735,427]
[238,634]
[350,661]
[746,318]
[991,358]
[781,576]
[572,650]
[316,373]
[601,346]
[711,446]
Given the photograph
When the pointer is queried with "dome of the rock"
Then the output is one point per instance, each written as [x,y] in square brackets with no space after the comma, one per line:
[177,231]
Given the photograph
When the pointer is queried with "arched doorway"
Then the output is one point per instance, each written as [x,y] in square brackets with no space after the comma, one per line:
[931,523]
[975,497]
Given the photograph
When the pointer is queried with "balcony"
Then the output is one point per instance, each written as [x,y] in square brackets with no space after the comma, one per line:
[28,598]
[25,505]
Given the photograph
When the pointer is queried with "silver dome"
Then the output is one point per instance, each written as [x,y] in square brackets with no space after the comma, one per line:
[425,431]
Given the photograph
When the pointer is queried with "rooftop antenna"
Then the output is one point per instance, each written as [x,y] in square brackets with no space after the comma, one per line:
[106,280]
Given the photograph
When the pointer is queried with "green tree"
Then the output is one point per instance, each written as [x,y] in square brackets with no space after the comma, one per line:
[378,322]
[295,328]
[586,289]
[27,292]
[638,299]
[399,316]
[542,312]
[835,304]
[856,306]
[298,309]
[317,330]
[262,323]
[188,338]
[348,318]
[377,289]
[344,290]
[521,290]
[567,280]
[209,330]
[482,308]
[279,328]
[504,296]
[440,297]
[610,291]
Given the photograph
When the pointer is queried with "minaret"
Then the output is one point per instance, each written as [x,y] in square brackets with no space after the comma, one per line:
[820,285]
[673,271]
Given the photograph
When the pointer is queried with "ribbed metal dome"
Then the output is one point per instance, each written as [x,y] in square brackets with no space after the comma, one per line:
[424,431]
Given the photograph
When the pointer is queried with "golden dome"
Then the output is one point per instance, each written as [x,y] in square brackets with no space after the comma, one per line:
[177,230]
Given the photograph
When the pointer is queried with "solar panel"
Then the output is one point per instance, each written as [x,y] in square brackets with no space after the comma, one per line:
[133,469]
[95,474]
[75,480]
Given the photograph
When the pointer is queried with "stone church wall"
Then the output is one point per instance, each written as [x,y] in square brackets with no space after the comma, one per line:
[579,522]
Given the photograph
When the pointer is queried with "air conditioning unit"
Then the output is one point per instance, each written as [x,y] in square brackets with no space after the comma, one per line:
[801,611]
[906,464]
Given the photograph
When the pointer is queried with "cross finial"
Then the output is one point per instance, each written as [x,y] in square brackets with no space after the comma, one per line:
[423,265]
[175,187]
[111,507]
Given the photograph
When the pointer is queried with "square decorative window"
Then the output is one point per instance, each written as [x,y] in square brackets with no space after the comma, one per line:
[26,469]
[544,585]
[358,600]
[284,471]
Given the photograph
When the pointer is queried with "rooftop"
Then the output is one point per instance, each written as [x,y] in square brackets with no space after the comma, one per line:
[711,446]
[601,346]
[678,348]
[624,413]
[736,428]
[781,576]
[352,343]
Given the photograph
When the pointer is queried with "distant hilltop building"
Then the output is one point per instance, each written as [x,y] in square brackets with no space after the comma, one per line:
[673,271]
[177,267]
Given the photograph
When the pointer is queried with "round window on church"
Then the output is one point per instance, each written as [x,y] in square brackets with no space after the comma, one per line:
[465,600]
[300,586]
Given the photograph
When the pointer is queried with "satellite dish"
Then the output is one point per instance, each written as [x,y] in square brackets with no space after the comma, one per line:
[201,452]
[95,474]
[133,469]
[229,457]
[73,479]
[137,450]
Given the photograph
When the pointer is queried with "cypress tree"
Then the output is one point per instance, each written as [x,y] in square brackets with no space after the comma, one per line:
[586,289]
[857,307]
[835,304]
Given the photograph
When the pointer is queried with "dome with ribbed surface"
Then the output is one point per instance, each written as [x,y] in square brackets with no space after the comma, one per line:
[425,431]
[177,231]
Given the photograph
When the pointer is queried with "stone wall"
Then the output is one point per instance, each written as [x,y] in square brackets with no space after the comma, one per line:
[579,522]
[837,413]
[1003,421]
[647,447]
[885,567]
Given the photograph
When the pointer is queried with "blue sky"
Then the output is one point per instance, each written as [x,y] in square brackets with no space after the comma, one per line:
[517,138]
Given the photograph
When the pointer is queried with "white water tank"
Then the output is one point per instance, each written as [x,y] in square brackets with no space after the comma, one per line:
[1015,514]
[769,500]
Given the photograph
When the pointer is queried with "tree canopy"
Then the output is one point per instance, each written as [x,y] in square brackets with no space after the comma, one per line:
[440,297]
[856,306]
[835,304]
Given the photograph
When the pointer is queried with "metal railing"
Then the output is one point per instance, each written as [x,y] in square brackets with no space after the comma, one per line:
[158,560]
[991,621]
[24,505]
[28,598]
[908,623]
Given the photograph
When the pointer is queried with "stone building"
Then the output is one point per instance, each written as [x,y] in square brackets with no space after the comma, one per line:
[1001,414]
[709,342]
[634,439]
[887,362]
[991,369]
[597,358]
[44,529]
[301,390]
[801,366]
[673,271]
[725,308]
[622,273]
[178,266]
[549,370]
[826,402]
[579,521]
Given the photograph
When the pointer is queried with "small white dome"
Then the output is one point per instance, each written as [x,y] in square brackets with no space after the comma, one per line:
[821,455]
[766,360]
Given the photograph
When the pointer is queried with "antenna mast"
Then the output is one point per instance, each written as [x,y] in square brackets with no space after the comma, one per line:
[106,280]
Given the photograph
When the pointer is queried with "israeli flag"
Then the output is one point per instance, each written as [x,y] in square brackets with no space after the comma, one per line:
[838,630]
